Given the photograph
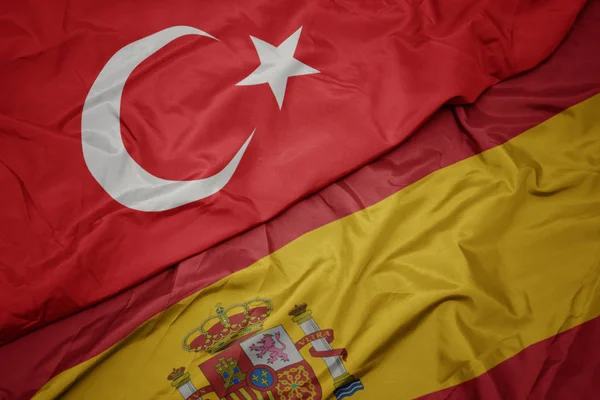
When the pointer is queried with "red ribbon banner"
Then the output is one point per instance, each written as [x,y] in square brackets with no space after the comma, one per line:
[326,334]
[201,392]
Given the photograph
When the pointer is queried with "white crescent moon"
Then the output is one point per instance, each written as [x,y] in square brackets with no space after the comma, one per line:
[103,149]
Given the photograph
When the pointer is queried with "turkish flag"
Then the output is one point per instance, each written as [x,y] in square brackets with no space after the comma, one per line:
[135,134]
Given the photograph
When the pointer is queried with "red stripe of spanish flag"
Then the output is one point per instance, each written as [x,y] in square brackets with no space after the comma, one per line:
[564,366]
[429,288]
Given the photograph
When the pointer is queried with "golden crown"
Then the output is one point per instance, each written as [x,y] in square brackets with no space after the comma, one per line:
[228,325]
[176,373]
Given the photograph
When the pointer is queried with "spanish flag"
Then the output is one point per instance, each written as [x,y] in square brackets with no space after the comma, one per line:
[462,264]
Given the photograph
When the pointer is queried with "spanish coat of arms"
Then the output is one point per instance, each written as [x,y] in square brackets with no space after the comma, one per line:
[249,363]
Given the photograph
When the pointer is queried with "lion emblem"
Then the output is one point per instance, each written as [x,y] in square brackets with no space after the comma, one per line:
[274,347]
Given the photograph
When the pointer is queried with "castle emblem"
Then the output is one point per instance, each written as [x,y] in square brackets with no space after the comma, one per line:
[250,363]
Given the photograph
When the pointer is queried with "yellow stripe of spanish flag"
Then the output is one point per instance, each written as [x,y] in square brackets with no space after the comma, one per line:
[426,289]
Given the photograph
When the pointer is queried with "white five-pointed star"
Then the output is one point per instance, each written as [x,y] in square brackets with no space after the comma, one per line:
[277,64]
